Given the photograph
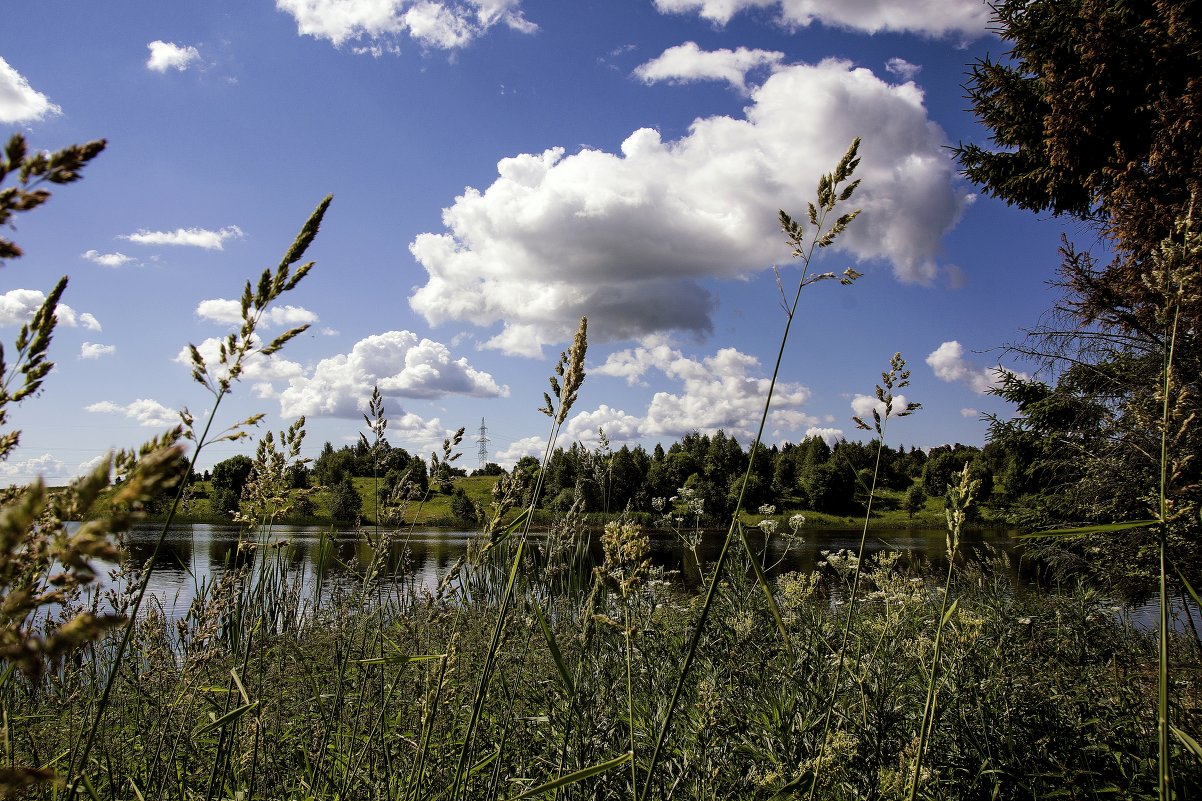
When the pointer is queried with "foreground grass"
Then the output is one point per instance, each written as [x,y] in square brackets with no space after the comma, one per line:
[265,688]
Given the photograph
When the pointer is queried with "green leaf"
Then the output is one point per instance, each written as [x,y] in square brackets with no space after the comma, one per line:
[762,580]
[553,646]
[951,611]
[228,717]
[399,659]
[578,776]
[1190,743]
[1105,528]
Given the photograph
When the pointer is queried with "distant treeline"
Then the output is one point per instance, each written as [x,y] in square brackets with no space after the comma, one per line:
[810,475]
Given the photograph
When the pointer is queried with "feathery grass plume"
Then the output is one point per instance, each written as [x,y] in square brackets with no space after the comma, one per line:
[897,377]
[960,497]
[834,189]
[267,495]
[33,171]
[218,380]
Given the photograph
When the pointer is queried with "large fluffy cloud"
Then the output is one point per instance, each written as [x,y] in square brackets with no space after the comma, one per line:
[20,102]
[168,55]
[687,63]
[949,364]
[443,24]
[398,362]
[17,307]
[966,18]
[625,238]
[187,237]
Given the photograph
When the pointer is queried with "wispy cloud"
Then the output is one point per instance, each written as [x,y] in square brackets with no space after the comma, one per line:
[169,55]
[229,312]
[964,18]
[145,412]
[187,237]
[107,259]
[93,350]
[902,68]
[20,102]
[443,24]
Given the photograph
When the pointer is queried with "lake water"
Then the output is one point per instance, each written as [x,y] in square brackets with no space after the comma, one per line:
[196,553]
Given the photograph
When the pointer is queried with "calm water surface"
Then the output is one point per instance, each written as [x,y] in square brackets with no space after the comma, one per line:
[198,553]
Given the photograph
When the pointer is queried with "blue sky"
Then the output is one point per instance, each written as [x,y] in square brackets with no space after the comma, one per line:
[500,167]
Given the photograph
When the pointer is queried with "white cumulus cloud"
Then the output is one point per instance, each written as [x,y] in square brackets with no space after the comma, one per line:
[687,62]
[17,307]
[949,364]
[723,391]
[527,446]
[169,55]
[399,363]
[965,18]
[187,237]
[20,102]
[93,350]
[619,426]
[626,237]
[828,435]
[229,312]
[445,24]
[107,259]
[144,411]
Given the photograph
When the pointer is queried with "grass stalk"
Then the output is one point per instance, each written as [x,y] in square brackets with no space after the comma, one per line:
[831,192]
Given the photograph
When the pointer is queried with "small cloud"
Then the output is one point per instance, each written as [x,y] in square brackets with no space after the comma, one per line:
[17,307]
[527,446]
[828,435]
[47,467]
[145,412]
[687,63]
[20,102]
[969,412]
[902,68]
[229,312]
[864,405]
[107,259]
[168,55]
[187,237]
[328,332]
[955,277]
[92,350]
[949,364]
